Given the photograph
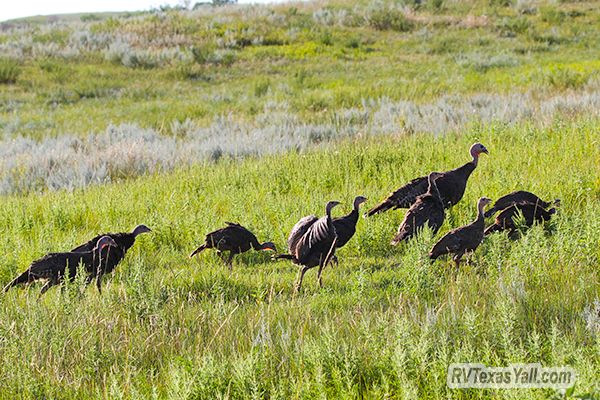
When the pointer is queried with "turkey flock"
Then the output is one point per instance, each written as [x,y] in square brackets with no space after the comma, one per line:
[313,241]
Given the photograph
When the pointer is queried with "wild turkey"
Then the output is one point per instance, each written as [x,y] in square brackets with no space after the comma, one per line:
[235,239]
[451,185]
[427,209]
[124,241]
[464,239]
[312,243]
[345,227]
[55,266]
[509,218]
[520,196]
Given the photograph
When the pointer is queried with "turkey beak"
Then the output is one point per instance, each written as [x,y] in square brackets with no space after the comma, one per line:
[485,151]
[270,246]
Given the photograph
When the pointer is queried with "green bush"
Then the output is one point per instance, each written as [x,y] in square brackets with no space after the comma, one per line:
[564,78]
[444,45]
[58,36]
[353,43]
[9,71]
[191,72]
[511,27]
[435,5]
[501,3]
[201,54]
[261,87]
[326,38]
[223,57]
[552,37]
[389,19]
[58,71]
[89,17]
[551,15]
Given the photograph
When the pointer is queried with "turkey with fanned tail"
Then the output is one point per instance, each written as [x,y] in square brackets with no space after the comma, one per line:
[312,243]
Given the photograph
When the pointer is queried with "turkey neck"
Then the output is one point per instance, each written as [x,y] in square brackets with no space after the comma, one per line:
[475,160]
[354,214]
[480,218]
[468,168]
[256,245]
[329,220]
[432,189]
[546,215]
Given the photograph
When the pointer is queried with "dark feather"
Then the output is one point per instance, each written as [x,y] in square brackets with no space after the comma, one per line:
[234,238]
[124,242]
[300,230]
[345,228]
[403,197]
[55,267]
[460,240]
[508,218]
[427,209]
[519,196]
[451,185]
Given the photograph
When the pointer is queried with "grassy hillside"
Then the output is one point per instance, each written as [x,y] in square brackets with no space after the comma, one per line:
[160,67]
[184,120]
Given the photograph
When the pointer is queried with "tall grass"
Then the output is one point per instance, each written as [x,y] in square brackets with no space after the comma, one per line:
[386,324]
[127,150]
[320,58]
[260,114]
[9,71]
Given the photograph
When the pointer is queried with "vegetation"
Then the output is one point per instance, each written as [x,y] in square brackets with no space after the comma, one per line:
[9,71]
[165,66]
[182,120]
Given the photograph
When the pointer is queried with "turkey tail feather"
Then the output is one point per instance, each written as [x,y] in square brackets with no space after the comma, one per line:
[384,206]
[198,250]
[23,278]
[330,253]
[396,240]
[490,212]
[491,229]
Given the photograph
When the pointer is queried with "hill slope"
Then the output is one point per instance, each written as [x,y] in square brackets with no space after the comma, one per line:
[260,115]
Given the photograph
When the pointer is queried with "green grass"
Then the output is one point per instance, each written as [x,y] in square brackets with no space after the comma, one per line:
[9,71]
[420,62]
[386,324]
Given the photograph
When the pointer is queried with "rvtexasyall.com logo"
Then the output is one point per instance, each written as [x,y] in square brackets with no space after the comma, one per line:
[514,376]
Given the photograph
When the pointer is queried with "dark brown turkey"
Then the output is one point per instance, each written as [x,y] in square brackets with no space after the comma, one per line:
[345,227]
[235,239]
[54,267]
[312,243]
[124,241]
[451,185]
[427,209]
[464,239]
[518,215]
[520,196]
